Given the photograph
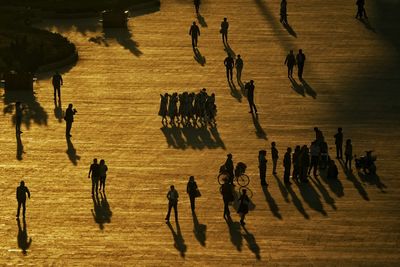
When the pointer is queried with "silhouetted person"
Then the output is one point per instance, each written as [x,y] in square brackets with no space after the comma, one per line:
[69,119]
[360,9]
[197,5]
[315,153]
[283,12]
[296,163]
[348,153]
[229,167]
[275,157]
[319,136]
[224,30]
[304,163]
[250,96]
[300,59]
[195,33]
[227,196]
[192,191]
[339,143]
[21,193]
[57,82]
[287,164]
[94,173]
[290,62]
[229,64]
[103,174]
[262,166]
[332,170]
[239,67]
[23,242]
[243,209]
[18,117]
[172,196]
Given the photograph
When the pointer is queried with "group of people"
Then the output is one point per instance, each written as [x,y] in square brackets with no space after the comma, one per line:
[186,108]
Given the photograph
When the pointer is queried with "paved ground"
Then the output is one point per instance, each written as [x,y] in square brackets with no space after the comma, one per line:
[351,81]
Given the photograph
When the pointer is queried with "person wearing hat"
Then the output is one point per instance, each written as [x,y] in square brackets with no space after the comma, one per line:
[22,191]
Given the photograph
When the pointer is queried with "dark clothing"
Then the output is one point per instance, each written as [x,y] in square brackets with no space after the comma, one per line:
[332,171]
[349,155]
[95,174]
[304,165]
[172,203]
[239,67]
[300,59]
[295,161]
[69,119]
[197,5]
[224,31]
[229,168]
[18,118]
[21,193]
[227,196]
[290,61]
[262,165]
[275,157]
[339,145]
[360,9]
[250,97]
[229,64]
[243,204]
[191,189]
[57,81]
[287,164]
[195,33]
[283,12]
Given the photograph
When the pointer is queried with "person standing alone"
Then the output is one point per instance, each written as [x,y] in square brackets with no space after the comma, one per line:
[22,191]
[69,119]
[224,30]
[192,191]
[275,157]
[172,196]
[250,97]
[300,58]
[194,32]
[57,82]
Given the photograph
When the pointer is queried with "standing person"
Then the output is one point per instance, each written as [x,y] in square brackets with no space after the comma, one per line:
[339,143]
[18,117]
[315,152]
[283,12]
[21,193]
[239,68]
[194,32]
[243,206]
[227,196]
[360,9]
[250,97]
[275,157]
[300,59]
[197,5]
[172,196]
[192,191]
[262,165]
[163,111]
[287,164]
[348,153]
[229,64]
[296,163]
[304,163]
[103,174]
[224,30]
[94,170]
[69,119]
[57,82]
[290,62]
[229,167]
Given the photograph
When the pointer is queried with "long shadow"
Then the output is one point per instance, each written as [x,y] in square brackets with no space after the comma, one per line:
[335,185]
[308,90]
[311,197]
[290,30]
[23,242]
[350,176]
[33,111]
[58,112]
[297,87]
[179,242]
[101,210]
[199,57]
[124,38]
[71,152]
[235,234]
[199,230]
[229,50]
[201,21]
[297,203]
[20,147]
[367,25]
[251,243]
[325,194]
[282,188]
[372,179]
[235,92]
[271,203]
[259,130]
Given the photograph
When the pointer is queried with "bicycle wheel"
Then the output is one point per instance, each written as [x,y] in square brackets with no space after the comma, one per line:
[222,177]
[248,191]
[243,180]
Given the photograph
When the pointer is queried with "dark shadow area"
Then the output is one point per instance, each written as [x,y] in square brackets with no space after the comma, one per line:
[58,112]
[335,185]
[189,136]
[325,194]
[235,234]
[124,38]
[251,243]
[32,110]
[71,152]
[229,50]
[23,242]
[282,188]
[311,197]
[199,230]
[146,9]
[198,56]
[372,179]
[351,177]
[84,26]
[297,87]
[367,24]
[179,242]
[20,147]
[289,30]
[259,130]
[297,203]
[308,89]
[235,92]
[201,21]
[101,210]
[271,203]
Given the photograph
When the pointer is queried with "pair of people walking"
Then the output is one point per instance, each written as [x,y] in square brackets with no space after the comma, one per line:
[227,192]
[98,173]
[230,63]
[292,61]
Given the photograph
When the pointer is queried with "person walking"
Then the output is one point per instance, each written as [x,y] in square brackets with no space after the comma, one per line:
[194,32]
[300,59]
[227,197]
[69,119]
[348,153]
[21,193]
[197,5]
[94,173]
[229,64]
[283,12]
[239,67]
[172,197]
[290,62]
[18,117]
[315,153]
[192,191]
[339,143]
[287,164]
[262,166]
[224,30]
[103,174]
[361,9]
[250,96]
[296,163]
[243,209]
[275,157]
[57,82]
[229,167]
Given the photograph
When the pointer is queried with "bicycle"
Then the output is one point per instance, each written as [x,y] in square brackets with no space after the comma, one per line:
[241,178]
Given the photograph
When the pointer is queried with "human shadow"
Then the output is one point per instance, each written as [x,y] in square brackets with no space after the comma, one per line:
[271,203]
[124,38]
[325,194]
[101,210]
[357,185]
[199,57]
[58,112]
[290,29]
[372,179]
[229,51]
[20,147]
[335,185]
[71,152]
[23,242]
[308,89]
[32,112]
[251,243]
[282,189]
[179,242]
[201,21]
[297,87]
[259,130]
[311,197]
[235,234]
[297,203]
[234,91]
[199,230]
[367,24]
